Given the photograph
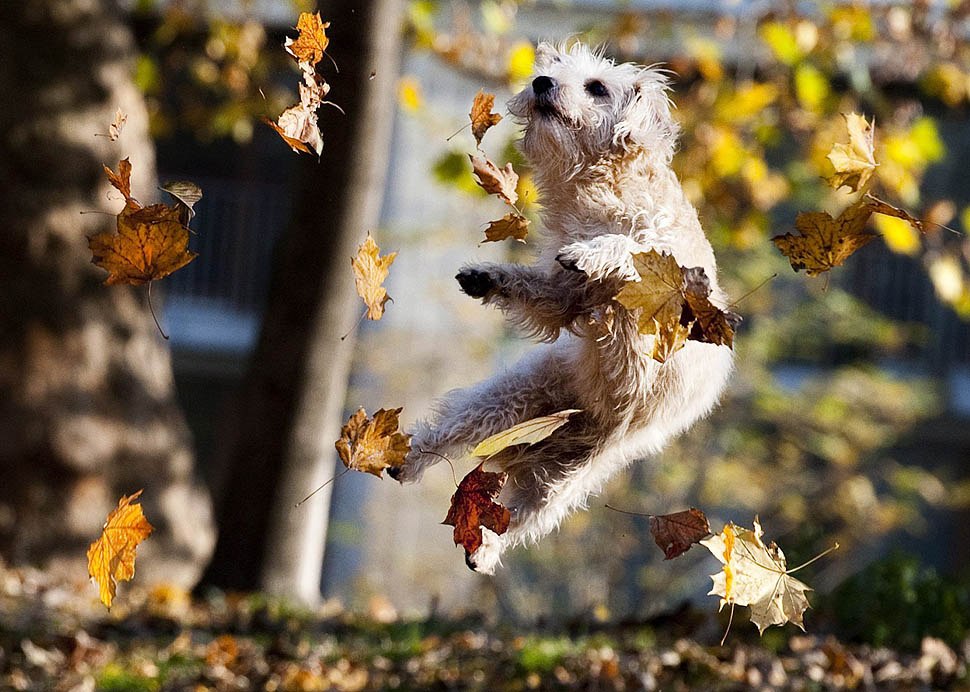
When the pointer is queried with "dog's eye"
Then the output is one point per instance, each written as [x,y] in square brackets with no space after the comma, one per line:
[595,87]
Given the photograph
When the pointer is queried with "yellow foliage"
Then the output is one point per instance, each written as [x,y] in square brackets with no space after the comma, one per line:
[852,23]
[409,94]
[746,102]
[707,53]
[947,82]
[811,87]
[520,61]
[727,152]
[780,38]
[900,236]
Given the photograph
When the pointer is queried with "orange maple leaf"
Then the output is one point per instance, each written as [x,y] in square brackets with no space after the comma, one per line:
[111,558]
[473,507]
[121,180]
[495,180]
[370,271]
[373,444]
[312,42]
[482,116]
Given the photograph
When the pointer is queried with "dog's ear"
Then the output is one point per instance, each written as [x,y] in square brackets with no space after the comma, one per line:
[546,55]
[645,122]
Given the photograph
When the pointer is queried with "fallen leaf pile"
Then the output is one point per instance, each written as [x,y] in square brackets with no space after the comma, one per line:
[473,507]
[370,271]
[111,558]
[298,124]
[674,305]
[373,444]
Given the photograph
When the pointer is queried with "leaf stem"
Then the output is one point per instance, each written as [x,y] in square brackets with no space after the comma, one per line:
[321,487]
[151,309]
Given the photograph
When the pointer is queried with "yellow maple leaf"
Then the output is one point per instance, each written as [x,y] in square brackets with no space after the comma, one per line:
[482,116]
[854,162]
[756,575]
[511,225]
[312,42]
[373,444]
[370,270]
[824,242]
[495,180]
[111,558]
[525,433]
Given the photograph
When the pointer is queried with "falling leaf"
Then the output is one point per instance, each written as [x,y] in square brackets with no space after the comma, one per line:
[879,206]
[511,225]
[111,558]
[116,126]
[298,125]
[473,506]
[756,575]
[121,180]
[675,533]
[312,42]
[373,444]
[482,116]
[854,162]
[711,324]
[526,433]
[187,194]
[824,242]
[495,180]
[370,271]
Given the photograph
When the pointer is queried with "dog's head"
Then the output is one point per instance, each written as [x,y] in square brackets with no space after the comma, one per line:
[581,107]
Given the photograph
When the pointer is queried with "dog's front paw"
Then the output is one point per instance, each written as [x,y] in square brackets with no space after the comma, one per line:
[475,282]
[568,263]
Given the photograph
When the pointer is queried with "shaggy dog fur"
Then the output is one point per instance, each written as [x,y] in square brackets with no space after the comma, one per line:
[600,138]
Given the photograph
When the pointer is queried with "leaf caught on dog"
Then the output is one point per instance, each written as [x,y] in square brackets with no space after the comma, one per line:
[710,324]
[370,271]
[481,115]
[659,292]
[473,506]
[373,444]
[111,558]
[854,162]
[495,180]
[823,242]
[676,533]
[312,41]
[525,433]
[756,575]
[512,225]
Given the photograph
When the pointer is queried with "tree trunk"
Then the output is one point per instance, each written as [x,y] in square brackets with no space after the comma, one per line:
[87,406]
[280,445]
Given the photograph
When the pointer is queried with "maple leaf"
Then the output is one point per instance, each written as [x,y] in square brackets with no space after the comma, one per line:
[512,225]
[482,116]
[675,533]
[186,194]
[121,180]
[527,432]
[879,206]
[312,42]
[473,506]
[824,242]
[373,444]
[659,297]
[111,558]
[711,324]
[756,575]
[495,180]
[854,162]
[370,271]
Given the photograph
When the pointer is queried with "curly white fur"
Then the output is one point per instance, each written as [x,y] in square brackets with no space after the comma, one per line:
[600,138]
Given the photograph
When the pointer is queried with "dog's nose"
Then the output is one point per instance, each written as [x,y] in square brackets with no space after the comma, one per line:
[543,84]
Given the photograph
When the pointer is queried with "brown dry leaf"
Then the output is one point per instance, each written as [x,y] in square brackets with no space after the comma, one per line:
[512,225]
[854,162]
[495,180]
[671,337]
[659,297]
[312,42]
[675,533]
[756,575]
[824,242]
[117,125]
[370,271]
[111,558]
[121,180]
[298,125]
[186,194]
[482,116]
[711,324]
[150,244]
[473,506]
[373,444]
[525,433]
[879,206]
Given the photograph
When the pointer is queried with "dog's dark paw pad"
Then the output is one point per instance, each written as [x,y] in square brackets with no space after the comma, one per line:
[475,282]
[568,263]
[394,471]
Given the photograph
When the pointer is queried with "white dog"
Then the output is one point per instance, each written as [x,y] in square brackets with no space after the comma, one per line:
[600,138]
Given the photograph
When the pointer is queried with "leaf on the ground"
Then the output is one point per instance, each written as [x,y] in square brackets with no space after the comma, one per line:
[370,270]
[879,206]
[824,242]
[756,575]
[525,433]
[473,506]
[373,444]
[312,42]
[512,225]
[298,125]
[121,180]
[495,180]
[854,162]
[186,194]
[111,558]
[711,324]
[676,532]
[482,116]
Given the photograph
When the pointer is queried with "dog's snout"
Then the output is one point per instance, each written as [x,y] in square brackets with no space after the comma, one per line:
[543,84]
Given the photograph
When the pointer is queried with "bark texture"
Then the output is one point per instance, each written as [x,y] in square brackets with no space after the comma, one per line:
[279,446]
[87,405]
